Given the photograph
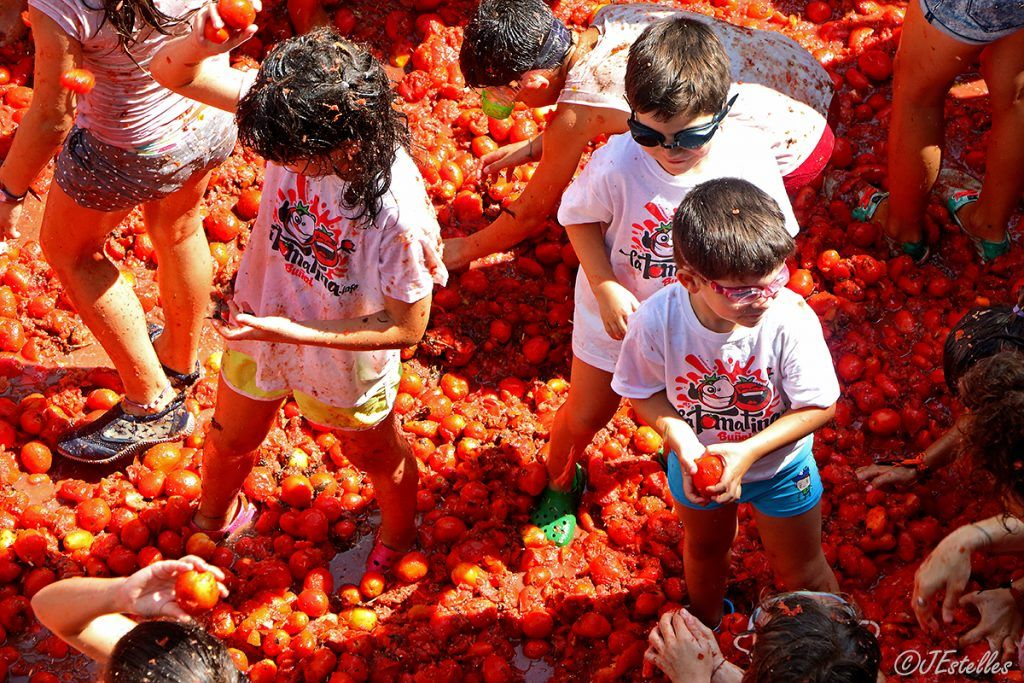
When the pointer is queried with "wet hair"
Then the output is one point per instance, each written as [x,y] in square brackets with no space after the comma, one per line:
[318,95]
[127,17]
[729,229]
[677,66]
[170,652]
[993,391]
[806,641]
[981,333]
[504,40]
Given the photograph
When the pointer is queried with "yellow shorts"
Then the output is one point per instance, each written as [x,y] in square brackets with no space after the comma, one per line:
[238,370]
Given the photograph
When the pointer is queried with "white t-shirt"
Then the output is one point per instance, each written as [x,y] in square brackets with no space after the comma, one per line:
[729,386]
[306,260]
[127,108]
[624,188]
[784,92]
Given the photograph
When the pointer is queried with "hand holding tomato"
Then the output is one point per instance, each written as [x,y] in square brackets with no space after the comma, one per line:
[211,34]
[681,442]
[245,326]
[882,476]
[947,569]
[737,458]
[149,592]
[1000,622]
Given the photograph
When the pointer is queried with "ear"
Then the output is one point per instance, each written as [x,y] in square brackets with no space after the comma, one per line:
[535,80]
[687,279]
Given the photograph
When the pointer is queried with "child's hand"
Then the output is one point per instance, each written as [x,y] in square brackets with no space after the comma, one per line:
[881,476]
[737,458]
[1000,621]
[682,443]
[149,592]
[616,304]
[244,326]
[207,19]
[683,648]
[946,569]
[508,156]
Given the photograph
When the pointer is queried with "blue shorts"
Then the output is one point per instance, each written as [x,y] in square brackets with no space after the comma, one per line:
[793,491]
[976,22]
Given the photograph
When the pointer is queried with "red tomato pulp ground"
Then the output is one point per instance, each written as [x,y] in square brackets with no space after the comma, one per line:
[487,598]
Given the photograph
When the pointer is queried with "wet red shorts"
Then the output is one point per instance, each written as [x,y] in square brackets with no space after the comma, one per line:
[813,165]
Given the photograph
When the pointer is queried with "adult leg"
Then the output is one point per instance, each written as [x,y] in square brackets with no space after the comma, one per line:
[72,239]
[1003,67]
[386,457]
[240,424]
[794,549]
[185,271]
[707,547]
[927,61]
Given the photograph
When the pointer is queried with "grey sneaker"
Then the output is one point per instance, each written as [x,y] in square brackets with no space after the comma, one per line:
[118,434]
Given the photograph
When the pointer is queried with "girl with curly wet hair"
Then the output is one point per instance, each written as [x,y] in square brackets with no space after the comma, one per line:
[337,275]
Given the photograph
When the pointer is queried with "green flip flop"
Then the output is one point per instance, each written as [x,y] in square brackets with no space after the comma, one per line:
[868,200]
[986,249]
[555,513]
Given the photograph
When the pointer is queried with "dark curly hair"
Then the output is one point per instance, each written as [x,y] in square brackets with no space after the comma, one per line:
[503,40]
[993,392]
[318,95]
[129,16]
[170,651]
[981,333]
[811,642]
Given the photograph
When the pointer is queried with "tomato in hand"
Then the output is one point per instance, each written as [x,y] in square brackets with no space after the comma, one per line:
[710,469]
[237,14]
[196,592]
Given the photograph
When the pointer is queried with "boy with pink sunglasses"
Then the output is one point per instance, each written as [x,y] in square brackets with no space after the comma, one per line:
[729,363]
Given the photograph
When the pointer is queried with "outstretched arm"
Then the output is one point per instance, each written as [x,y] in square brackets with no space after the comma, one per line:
[565,140]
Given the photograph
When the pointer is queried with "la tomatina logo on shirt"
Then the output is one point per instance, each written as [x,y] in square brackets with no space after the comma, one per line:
[651,246]
[736,400]
[308,237]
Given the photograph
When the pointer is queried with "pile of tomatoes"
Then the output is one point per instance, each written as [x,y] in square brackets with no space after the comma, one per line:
[485,596]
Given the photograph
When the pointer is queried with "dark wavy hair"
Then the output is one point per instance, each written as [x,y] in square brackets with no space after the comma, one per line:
[502,40]
[129,16]
[981,333]
[810,642]
[993,436]
[170,652]
[318,95]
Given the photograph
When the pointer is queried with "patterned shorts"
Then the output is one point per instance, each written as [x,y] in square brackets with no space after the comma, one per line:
[103,177]
[978,22]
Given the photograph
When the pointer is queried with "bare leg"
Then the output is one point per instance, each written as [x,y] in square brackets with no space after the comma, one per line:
[384,454]
[72,238]
[590,405]
[186,271]
[239,426]
[1003,67]
[794,549]
[707,546]
[926,64]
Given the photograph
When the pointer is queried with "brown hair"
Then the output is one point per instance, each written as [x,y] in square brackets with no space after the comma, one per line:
[677,66]
[729,228]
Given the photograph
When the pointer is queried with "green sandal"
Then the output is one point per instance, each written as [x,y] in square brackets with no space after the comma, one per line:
[986,249]
[555,513]
[868,200]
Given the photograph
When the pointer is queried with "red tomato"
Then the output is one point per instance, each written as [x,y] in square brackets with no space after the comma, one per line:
[237,14]
[222,225]
[344,21]
[819,12]
[36,457]
[196,592]
[710,469]
[79,81]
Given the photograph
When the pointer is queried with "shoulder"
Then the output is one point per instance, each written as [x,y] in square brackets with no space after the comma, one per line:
[659,310]
[792,315]
[406,202]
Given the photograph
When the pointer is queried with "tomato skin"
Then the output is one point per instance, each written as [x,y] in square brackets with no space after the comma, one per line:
[80,81]
[237,14]
[710,469]
[818,12]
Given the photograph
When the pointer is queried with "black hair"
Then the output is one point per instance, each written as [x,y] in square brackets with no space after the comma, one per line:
[807,641]
[981,333]
[729,228]
[170,652]
[129,16]
[677,66]
[503,40]
[318,95]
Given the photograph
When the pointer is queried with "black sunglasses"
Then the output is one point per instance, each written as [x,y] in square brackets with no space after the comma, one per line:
[688,138]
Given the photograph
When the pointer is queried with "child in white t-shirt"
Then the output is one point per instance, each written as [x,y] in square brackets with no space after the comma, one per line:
[618,215]
[728,362]
[337,275]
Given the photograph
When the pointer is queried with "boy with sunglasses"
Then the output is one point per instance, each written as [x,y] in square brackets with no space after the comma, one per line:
[618,216]
[518,51]
[729,363]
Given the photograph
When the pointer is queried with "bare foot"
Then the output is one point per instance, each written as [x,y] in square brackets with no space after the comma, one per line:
[683,648]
